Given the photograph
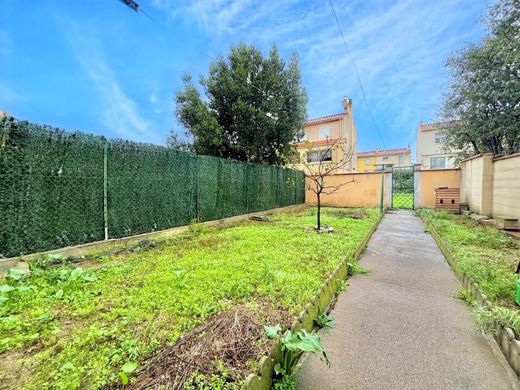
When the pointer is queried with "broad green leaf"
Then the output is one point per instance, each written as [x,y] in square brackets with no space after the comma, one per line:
[124,378]
[89,277]
[24,288]
[59,293]
[304,341]
[278,369]
[272,331]
[76,273]
[128,367]
[5,288]
[17,274]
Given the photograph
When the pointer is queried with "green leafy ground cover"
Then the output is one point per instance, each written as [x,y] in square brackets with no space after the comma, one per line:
[485,254]
[66,327]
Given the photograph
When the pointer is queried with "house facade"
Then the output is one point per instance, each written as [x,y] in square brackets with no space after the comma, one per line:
[373,160]
[430,147]
[333,135]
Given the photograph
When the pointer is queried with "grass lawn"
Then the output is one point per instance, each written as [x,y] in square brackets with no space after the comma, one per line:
[487,255]
[66,327]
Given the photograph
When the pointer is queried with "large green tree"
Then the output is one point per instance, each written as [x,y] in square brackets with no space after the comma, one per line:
[483,99]
[253,110]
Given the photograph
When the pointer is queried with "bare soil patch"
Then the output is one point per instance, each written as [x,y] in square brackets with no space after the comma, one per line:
[355,214]
[233,337]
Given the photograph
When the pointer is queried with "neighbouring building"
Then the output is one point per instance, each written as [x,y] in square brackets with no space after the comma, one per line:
[321,133]
[430,147]
[374,160]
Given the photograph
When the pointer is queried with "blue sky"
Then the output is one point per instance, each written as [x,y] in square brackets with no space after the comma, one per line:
[99,67]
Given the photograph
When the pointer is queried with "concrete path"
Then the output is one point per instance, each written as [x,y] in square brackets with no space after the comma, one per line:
[401,327]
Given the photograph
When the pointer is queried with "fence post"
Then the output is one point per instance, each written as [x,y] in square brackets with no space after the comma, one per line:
[247,171]
[105,189]
[197,211]
[382,202]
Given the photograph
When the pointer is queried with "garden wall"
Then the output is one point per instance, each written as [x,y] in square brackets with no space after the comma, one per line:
[59,189]
[364,191]
[426,181]
[492,186]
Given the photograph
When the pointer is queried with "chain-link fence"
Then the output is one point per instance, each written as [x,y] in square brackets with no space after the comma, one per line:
[59,188]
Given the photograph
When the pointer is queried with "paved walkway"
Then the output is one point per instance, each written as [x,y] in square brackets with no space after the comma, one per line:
[401,327]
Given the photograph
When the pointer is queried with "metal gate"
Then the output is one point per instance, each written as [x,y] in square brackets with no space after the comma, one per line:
[402,188]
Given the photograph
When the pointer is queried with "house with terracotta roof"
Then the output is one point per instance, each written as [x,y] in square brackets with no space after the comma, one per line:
[338,130]
[430,146]
[375,159]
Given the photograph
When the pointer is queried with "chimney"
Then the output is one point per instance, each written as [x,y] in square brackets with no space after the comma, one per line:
[346,103]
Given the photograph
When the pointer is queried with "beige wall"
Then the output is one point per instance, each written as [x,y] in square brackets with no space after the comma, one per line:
[427,148]
[426,181]
[476,183]
[506,186]
[317,132]
[365,191]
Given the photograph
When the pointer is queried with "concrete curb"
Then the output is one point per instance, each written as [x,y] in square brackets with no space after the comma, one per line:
[504,337]
[104,247]
[263,377]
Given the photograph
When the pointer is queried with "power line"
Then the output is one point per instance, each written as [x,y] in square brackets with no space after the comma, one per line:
[357,75]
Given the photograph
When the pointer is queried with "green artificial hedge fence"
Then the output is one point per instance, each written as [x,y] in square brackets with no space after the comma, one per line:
[60,188]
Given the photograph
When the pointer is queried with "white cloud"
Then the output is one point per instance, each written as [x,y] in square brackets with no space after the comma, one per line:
[399,48]
[120,113]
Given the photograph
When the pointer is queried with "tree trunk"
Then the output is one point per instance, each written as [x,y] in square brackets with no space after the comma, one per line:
[319,211]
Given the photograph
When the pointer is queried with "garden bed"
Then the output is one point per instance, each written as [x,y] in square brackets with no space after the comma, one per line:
[485,261]
[132,314]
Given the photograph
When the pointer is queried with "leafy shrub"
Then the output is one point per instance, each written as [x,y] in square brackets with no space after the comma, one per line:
[324,321]
[292,346]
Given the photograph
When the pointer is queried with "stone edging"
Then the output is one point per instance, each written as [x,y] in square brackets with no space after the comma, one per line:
[505,337]
[263,377]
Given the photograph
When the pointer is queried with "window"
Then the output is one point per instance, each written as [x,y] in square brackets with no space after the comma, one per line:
[368,161]
[440,138]
[437,162]
[324,132]
[385,158]
[401,160]
[319,155]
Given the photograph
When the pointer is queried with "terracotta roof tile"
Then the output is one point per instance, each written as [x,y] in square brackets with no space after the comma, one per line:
[389,152]
[317,143]
[325,119]
[436,125]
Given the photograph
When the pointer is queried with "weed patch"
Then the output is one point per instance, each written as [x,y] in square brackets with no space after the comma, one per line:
[490,258]
[85,327]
